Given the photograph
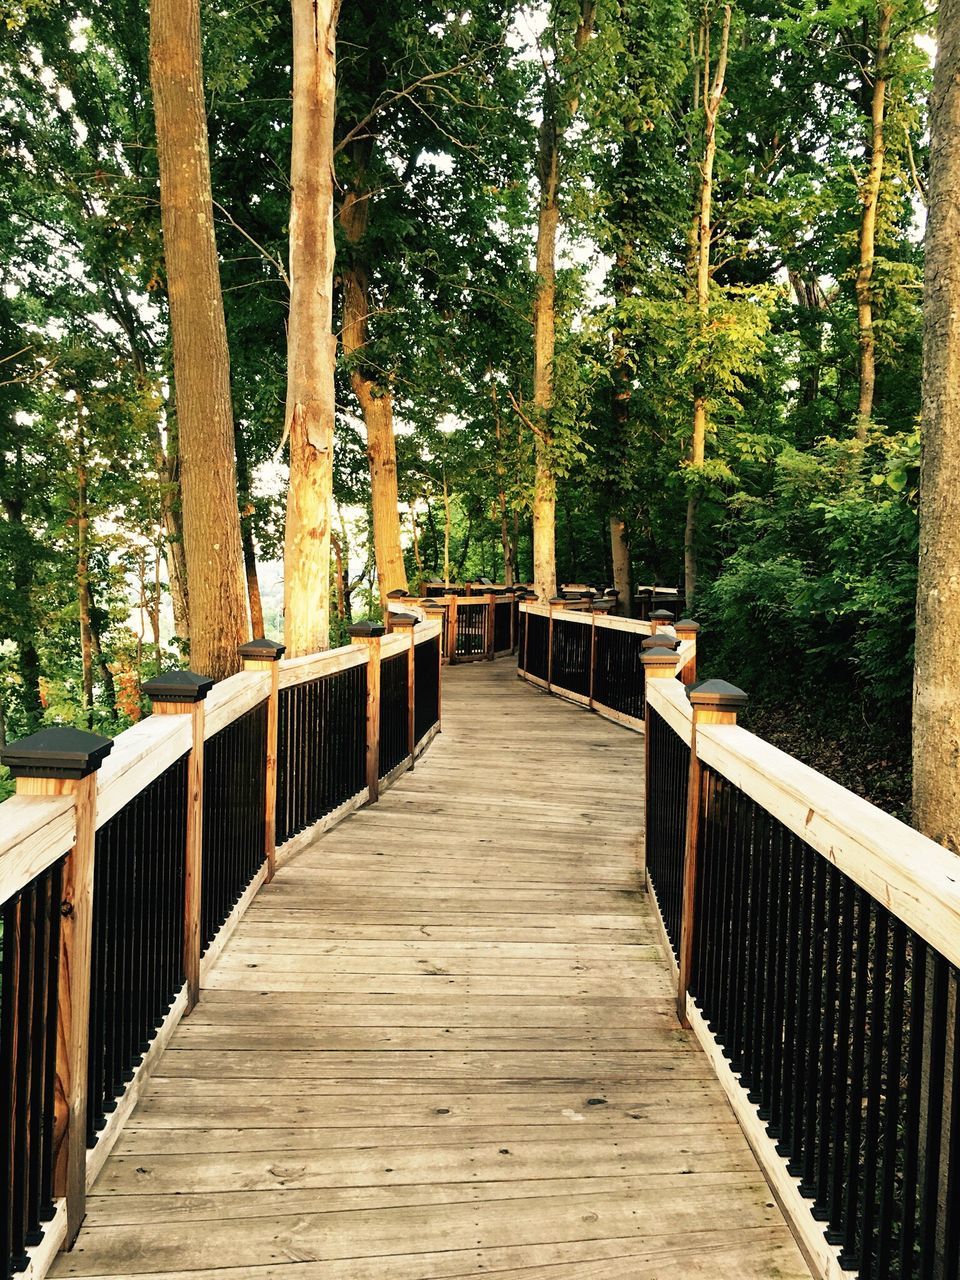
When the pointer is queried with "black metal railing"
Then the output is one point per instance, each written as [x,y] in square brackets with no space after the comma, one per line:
[234,806]
[28,1049]
[668,769]
[844,1026]
[471,637]
[535,650]
[394,711]
[137,940]
[503,612]
[570,658]
[426,687]
[618,671]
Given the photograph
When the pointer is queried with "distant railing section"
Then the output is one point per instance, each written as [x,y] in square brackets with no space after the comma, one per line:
[580,651]
[817,944]
[475,627]
[125,864]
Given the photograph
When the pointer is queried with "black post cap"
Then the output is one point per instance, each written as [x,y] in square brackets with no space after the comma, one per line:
[721,695]
[659,641]
[262,650]
[397,593]
[178,686]
[58,752]
[403,619]
[662,615]
[366,630]
[688,625]
[558,600]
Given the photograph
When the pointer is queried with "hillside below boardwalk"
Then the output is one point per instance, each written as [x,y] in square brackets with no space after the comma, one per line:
[442,1043]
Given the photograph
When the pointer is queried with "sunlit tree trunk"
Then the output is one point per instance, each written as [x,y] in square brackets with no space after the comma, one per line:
[713,92]
[201,363]
[936,698]
[254,600]
[311,345]
[870,197]
[373,396]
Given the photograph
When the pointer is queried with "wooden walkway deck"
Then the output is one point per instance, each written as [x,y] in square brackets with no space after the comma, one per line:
[442,1044]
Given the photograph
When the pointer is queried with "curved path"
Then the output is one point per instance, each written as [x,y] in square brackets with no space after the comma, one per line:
[442,1044]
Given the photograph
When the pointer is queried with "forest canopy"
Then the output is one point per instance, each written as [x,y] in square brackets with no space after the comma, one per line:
[617,292]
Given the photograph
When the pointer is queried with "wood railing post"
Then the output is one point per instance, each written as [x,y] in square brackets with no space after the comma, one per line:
[64,761]
[182,693]
[407,622]
[687,629]
[370,634]
[659,663]
[491,625]
[713,702]
[660,618]
[265,655]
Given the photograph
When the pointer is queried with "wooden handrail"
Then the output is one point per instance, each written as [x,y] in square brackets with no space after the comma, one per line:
[53,826]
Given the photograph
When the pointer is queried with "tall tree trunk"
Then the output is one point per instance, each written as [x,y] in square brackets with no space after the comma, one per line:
[201,362]
[506,547]
[712,97]
[246,535]
[620,557]
[417,556]
[544,350]
[338,571]
[375,399]
[870,197]
[99,657]
[446,532]
[83,568]
[936,695]
[545,320]
[311,344]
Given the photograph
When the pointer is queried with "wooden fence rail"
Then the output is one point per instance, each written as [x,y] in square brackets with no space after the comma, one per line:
[817,944]
[475,627]
[125,865]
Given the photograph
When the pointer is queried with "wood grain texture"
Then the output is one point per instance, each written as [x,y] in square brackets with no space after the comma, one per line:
[442,1043]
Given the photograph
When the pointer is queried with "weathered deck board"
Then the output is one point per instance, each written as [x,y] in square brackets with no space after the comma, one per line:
[442,1044]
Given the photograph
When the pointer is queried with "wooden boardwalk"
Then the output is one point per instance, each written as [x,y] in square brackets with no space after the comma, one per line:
[442,1044]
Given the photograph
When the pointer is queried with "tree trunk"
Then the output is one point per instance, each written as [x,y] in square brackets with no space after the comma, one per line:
[311,345]
[375,400]
[171,507]
[338,570]
[417,556]
[83,570]
[544,349]
[712,98]
[446,533]
[936,698]
[870,196]
[246,536]
[201,362]
[620,555]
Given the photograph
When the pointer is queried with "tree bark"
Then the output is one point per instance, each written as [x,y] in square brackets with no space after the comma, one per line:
[254,600]
[620,556]
[936,698]
[712,98]
[201,362]
[375,399]
[311,345]
[870,196]
[83,570]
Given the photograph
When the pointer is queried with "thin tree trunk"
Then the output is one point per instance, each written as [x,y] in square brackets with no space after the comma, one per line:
[338,572]
[201,363]
[446,532]
[870,196]
[83,569]
[545,323]
[508,563]
[246,536]
[311,345]
[375,400]
[168,473]
[712,97]
[415,533]
[96,644]
[936,696]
